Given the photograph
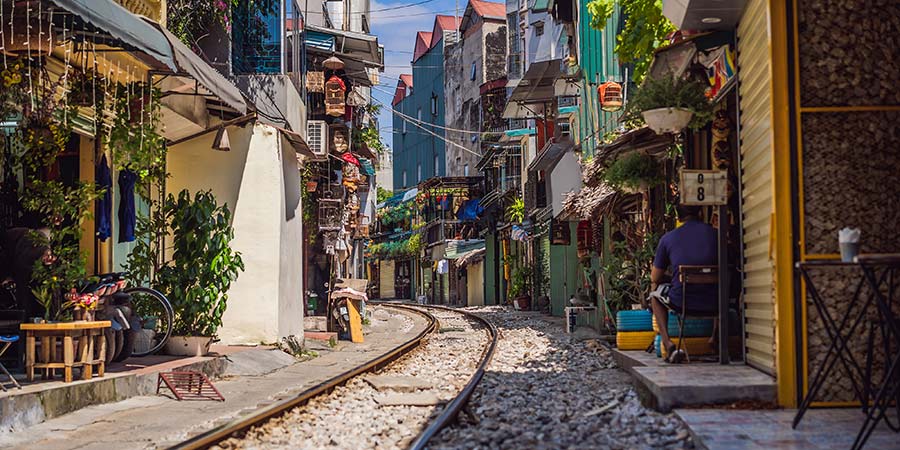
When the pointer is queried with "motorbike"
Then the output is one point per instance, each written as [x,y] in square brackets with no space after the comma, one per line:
[115,305]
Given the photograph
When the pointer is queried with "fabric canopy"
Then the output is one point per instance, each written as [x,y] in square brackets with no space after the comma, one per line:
[156,42]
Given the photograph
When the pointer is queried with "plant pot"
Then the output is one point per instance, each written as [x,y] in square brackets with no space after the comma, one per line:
[188,345]
[522,303]
[667,120]
[311,186]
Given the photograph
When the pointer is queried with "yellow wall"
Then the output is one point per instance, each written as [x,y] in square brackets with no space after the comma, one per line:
[475,277]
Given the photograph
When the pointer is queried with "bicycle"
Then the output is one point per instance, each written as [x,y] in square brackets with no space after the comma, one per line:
[133,310]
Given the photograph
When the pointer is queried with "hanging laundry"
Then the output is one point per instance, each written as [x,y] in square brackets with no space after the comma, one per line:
[127,218]
[443,266]
[103,178]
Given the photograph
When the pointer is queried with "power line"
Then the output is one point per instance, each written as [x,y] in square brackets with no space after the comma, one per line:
[413,121]
[434,125]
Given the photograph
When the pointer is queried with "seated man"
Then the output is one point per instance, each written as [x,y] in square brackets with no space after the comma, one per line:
[692,244]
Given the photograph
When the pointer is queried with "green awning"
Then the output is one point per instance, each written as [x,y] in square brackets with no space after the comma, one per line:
[540,5]
[458,248]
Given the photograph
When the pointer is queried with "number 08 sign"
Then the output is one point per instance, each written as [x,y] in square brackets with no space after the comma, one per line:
[704,187]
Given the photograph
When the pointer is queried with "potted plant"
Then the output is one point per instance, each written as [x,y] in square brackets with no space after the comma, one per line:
[519,288]
[201,270]
[669,104]
[634,172]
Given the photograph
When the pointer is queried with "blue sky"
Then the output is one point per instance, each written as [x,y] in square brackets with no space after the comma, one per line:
[396,30]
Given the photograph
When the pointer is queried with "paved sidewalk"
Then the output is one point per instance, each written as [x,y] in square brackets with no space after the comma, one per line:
[159,421]
[825,429]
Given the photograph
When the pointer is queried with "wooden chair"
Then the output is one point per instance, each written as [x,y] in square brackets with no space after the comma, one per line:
[694,275]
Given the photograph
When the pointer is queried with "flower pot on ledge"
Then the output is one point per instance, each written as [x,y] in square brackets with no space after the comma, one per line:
[188,345]
[667,120]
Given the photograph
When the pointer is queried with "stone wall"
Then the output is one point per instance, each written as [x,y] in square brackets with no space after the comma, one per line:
[850,159]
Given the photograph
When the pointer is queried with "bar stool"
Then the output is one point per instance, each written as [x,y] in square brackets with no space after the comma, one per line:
[7,341]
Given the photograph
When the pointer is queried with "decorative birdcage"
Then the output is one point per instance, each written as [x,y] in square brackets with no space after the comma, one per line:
[315,82]
[335,94]
[610,95]
[330,214]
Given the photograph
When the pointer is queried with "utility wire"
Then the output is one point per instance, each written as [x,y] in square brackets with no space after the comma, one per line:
[431,124]
[413,121]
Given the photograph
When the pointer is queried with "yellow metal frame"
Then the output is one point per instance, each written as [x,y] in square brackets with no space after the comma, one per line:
[798,115]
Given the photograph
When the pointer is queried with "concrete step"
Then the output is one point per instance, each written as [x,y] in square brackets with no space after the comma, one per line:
[325,336]
[664,386]
[315,323]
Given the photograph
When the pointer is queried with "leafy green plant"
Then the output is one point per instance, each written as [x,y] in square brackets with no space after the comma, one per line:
[371,137]
[634,171]
[64,210]
[134,139]
[515,212]
[627,272]
[672,92]
[383,194]
[203,264]
[520,281]
[644,30]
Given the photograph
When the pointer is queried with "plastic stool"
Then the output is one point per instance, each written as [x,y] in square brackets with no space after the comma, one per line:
[7,341]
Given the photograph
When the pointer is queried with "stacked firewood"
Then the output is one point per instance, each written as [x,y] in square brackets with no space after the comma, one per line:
[848,52]
[850,165]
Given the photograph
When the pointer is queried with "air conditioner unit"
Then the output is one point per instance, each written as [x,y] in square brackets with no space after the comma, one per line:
[317,137]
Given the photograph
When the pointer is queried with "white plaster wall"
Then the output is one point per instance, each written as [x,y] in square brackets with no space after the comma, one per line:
[259,181]
[565,177]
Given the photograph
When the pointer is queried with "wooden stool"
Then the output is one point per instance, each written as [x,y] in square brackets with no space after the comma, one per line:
[89,335]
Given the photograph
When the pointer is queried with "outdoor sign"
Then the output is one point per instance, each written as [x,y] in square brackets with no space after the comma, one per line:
[560,234]
[704,187]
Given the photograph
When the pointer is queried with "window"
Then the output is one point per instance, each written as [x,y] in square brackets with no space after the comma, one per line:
[419,170]
[474,70]
[404,178]
[434,105]
[466,170]
[419,114]
[539,29]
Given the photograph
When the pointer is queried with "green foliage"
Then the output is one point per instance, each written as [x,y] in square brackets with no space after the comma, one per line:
[627,272]
[672,92]
[383,195]
[371,137]
[645,29]
[407,248]
[634,171]
[520,281]
[203,265]
[515,212]
[310,211]
[134,139]
[191,20]
[65,209]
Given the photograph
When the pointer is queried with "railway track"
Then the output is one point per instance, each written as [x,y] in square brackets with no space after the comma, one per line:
[442,342]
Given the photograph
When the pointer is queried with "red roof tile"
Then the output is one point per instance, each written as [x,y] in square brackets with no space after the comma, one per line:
[403,84]
[423,43]
[489,9]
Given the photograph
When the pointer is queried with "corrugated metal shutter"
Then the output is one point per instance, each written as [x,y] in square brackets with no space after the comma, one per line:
[756,179]
[386,277]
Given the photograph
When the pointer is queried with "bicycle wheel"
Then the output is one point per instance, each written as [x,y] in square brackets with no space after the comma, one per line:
[155,314]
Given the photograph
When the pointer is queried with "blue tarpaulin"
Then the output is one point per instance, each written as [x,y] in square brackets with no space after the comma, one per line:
[470,210]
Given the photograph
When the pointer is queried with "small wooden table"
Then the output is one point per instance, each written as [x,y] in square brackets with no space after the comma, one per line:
[90,337]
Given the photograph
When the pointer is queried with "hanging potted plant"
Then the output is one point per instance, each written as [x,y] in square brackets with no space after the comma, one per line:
[669,104]
[201,271]
[633,173]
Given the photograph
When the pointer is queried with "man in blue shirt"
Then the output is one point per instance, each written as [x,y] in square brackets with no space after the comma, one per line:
[692,244]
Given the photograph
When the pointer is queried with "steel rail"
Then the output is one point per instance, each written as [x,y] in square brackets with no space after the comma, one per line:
[225,431]
[452,410]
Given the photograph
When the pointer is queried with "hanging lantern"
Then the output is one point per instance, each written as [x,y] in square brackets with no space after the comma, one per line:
[610,95]
[333,63]
[335,92]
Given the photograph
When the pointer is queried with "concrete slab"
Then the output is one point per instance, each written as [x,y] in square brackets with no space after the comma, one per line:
[397,383]
[665,386]
[827,429]
[151,421]
[409,399]
[255,363]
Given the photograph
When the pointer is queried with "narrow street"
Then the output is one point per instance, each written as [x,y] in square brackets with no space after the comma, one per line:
[545,389]
[449,224]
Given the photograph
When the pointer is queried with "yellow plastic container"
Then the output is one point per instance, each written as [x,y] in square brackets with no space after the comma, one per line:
[634,340]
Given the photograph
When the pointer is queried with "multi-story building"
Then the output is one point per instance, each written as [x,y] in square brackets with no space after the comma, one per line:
[418,149]
[475,84]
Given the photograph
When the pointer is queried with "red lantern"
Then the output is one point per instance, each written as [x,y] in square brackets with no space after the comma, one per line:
[610,95]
